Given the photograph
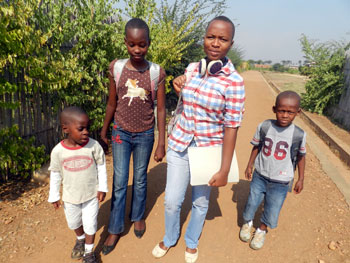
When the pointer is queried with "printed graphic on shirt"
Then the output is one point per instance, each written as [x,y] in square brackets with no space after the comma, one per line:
[77,163]
[135,91]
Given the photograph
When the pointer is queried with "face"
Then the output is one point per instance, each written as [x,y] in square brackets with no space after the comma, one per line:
[137,43]
[77,130]
[286,110]
[218,39]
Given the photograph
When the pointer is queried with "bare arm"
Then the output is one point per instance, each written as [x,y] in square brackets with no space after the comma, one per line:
[220,178]
[160,151]
[249,170]
[178,83]
[299,185]
[110,109]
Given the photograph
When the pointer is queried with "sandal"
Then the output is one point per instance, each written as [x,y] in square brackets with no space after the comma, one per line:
[78,249]
[158,252]
[191,257]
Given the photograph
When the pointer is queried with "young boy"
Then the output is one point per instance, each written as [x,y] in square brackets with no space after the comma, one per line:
[79,163]
[279,146]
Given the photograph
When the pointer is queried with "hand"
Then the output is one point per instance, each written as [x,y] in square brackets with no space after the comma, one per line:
[101,196]
[248,173]
[56,204]
[179,82]
[299,185]
[159,154]
[218,179]
[104,142]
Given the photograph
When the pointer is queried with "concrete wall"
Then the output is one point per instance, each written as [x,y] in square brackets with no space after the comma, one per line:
[341,113]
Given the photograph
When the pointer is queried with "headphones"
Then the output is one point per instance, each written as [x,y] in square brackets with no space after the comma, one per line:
[212,67]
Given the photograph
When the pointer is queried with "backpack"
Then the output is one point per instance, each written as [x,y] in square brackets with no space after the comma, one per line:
[154,71]
[298,135]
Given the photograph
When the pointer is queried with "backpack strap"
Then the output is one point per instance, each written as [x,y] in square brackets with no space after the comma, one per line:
[117,71]
[154,71]
[265,126]
[298,136]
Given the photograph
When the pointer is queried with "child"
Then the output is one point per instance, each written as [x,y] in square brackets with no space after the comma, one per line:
[79,163]
[131,106]
[279,146]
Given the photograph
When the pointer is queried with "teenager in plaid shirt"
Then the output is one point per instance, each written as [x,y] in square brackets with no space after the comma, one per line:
[213,100]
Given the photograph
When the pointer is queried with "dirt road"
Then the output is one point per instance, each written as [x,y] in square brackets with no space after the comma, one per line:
[314,226]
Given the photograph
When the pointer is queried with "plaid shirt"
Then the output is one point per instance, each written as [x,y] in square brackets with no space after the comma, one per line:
[211,103]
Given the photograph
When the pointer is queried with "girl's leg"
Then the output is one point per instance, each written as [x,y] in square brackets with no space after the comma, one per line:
[200,203]
[121,146]
[178,177]
[142,146]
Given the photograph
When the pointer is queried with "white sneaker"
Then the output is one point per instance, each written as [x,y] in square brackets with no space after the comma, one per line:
[245,232]
[258,239]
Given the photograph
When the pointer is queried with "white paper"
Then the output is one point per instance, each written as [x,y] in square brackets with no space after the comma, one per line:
[206,161]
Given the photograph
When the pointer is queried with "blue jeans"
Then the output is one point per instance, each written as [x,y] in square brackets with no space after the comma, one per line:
[273,194]
[178,178]
[124,143]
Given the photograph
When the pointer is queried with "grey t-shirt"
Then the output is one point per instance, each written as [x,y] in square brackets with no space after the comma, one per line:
[274,159]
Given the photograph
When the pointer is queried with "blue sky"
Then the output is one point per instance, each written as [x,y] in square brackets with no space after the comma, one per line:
[270,29]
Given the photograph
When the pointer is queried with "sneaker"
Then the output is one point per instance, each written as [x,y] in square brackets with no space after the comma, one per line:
[78,249]
[89,258]
[258,239]
[245,232]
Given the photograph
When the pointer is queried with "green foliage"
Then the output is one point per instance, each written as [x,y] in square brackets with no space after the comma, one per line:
[236,55]
[326,78]
[18,157]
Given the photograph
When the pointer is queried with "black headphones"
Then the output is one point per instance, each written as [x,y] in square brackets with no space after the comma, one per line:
[212,67]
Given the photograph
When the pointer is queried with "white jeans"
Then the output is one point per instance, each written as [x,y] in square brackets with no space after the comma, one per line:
[84,214]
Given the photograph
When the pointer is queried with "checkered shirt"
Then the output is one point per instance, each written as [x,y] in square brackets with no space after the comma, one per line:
[211,103]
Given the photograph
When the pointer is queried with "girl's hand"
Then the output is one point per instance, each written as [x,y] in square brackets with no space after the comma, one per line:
[299,185]
[159,154]
[178,83]
[56,204]
[218,179]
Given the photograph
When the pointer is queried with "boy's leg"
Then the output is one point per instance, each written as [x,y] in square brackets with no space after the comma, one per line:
[89,217]
[275,195]
[256,195]
[121,147]
[73,215]
[274,198]
[142,147]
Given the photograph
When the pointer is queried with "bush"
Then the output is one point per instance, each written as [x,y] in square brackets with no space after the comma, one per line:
[326,77]
[18,157]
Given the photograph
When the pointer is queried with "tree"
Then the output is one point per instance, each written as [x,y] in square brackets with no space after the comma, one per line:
[325,71]
[236,55]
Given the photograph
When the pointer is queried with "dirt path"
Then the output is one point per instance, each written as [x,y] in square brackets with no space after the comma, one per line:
[313,227]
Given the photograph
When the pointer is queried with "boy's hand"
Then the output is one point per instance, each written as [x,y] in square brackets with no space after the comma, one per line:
[218,179]
[178,83]
[101,196]
[248,173]
[299,185]
[159,154]
[56,204]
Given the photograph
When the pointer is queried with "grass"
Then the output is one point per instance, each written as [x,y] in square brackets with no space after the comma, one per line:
[287,81]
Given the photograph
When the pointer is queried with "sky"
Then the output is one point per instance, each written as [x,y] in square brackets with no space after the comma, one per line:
[271,29]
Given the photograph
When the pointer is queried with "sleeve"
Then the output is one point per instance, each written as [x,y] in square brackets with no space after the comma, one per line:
[234,104]
[102,178]
[302,149]
[54,161]
[99,154]
[256,139]
[55,183]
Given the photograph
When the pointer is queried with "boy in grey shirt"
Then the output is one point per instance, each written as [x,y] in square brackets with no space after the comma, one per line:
[278,147]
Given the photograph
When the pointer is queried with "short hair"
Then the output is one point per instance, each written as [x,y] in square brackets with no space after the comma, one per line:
[137,23]
[288,94]
[69,112]
[225,19]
